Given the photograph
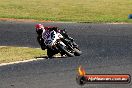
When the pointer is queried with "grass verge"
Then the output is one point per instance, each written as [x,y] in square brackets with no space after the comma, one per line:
[91,11]
[11,54]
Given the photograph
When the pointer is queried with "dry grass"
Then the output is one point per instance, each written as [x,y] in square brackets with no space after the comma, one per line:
[68,10]
[11,54]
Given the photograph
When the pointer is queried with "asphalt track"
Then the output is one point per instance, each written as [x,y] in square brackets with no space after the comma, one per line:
[107,49]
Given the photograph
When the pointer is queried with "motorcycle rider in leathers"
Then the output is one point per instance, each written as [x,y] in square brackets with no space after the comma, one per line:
[40,29]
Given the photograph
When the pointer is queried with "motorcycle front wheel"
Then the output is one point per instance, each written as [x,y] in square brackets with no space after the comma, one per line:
[65,50]
[77,52]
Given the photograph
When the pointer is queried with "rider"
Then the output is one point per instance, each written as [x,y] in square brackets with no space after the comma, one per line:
[40,29]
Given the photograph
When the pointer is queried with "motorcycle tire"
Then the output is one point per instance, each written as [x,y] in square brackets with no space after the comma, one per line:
[50,53]
[77,52]
[65,50]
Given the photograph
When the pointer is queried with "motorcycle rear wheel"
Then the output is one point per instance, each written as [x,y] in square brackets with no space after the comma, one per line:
[51,52]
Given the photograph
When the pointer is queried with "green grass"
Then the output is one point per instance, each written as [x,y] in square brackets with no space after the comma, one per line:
[67,10]
[11,54]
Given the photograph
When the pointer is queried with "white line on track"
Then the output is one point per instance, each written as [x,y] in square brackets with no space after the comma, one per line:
[17,62]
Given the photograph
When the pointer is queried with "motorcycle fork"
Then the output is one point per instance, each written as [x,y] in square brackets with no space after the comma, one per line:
[69,44]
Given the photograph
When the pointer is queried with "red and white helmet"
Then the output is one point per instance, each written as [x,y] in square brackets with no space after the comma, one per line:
[39,28]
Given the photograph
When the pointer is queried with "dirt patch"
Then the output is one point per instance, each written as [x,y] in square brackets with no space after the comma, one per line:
[119,23]
[23,20]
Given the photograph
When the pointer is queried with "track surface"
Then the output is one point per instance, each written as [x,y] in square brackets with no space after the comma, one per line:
[107,48]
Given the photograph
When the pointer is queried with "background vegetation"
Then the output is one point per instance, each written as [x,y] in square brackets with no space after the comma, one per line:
[67,10]
[11,54]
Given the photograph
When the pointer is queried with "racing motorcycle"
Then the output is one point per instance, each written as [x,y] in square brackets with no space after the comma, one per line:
[56,43]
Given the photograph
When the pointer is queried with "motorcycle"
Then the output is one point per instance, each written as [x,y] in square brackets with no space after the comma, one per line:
[56,43]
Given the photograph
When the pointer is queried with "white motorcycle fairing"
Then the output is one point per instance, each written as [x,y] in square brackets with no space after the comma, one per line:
[50,37]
